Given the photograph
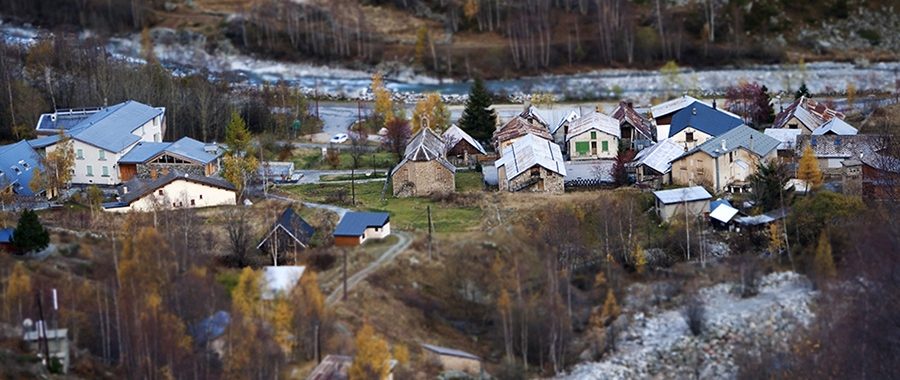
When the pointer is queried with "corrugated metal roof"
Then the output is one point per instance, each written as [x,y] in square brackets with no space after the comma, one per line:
[835,126]
[551,118]
[426,146]
[449,352]
[109,128]
[723,213]
[787,137]
[671,106]
[355,223]
[595,121]
[456,134]
[683,194]
[740,137]
[810,112]
[277,281]
[43,142]
[766,218]
[529,151]
[17,164]
[195,150]
[659,156]
[143,151]
[697,115]
[518,127]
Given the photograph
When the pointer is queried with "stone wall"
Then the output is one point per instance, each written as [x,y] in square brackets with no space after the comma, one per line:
[145,171]
[546,181]
[420,178]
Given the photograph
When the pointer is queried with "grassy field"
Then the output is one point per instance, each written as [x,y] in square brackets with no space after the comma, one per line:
[311,159]
[406,213]
[469,181]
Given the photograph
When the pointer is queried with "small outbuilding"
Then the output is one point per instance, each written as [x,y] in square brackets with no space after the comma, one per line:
[653,166]
[694,200]
[357,227]
[462,148]
[454,360]
[289,234]
[424,170]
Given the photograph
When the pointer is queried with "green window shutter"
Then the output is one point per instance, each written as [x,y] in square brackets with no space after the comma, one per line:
[582,147]
[593,135]
[606,146]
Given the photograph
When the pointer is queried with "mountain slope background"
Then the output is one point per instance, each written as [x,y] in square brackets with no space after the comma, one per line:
[500,38]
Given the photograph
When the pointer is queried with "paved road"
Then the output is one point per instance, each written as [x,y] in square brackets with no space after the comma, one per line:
[402,243]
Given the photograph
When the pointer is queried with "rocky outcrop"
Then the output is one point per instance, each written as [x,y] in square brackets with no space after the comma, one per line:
[662,346]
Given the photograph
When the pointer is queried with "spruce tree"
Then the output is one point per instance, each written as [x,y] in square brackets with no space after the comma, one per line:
[30,235]
[802,91]
[478,120]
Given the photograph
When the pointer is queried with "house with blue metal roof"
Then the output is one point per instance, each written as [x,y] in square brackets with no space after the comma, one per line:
[698,122]
[148,160]
[727,161]
[17,165]
[101,136]
[357,227]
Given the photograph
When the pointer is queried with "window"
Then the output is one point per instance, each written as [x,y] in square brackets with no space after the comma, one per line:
[594,147]
[90,171]
[689,136]
[605,146]
[193,203]
[105,171]
[201,196]
[582,147]
[535,172]
[160,192]
[792,125]
[593,135]
[16,169]
[79,154]
[101,154]
[730,156]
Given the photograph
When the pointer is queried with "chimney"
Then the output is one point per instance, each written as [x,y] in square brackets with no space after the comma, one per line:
[630,104]
[124,189]
[724,146]
[714,103]
[694,111]
[751,143]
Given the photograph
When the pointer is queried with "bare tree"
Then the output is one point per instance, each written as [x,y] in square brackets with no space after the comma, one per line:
[239,236]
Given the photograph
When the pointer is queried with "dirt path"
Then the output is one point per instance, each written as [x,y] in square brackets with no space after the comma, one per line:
[388,256]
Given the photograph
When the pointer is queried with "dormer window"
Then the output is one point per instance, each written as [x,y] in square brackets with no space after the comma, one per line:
[16,169]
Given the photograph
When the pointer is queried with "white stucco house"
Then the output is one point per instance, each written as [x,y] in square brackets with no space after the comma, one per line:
[101,136]
[172,192]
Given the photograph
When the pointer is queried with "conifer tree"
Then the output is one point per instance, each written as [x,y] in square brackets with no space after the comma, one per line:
[384,104]
[478,119]
[29,234]
[372,360]
[237,136]
[610,308]
[809,169]
[802,91]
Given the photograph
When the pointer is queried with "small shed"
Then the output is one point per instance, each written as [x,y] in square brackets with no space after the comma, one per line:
[721,213]
[6,236]
[669,203]
[454,360]
[461,147]
[357,227]
[279,281]
[289,234]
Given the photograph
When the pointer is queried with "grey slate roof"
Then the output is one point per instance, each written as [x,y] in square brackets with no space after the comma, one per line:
[835,126]
[449,352]
[836,146]
[109,128]
[17,164]
[426,146]
[698,115]
[143,152]
[186,148]
[683,194]
[528,152]
[355,223]
[138,188]
[740,137]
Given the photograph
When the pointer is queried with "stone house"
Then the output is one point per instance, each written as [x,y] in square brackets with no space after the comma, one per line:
[592,137]
[674,202]
[553,119]
[531,164]
[424,170]
[454,360]
[698,122]
[516,128]
[806,115]
[637,131]
[832,150]
[725,162]
[462,149]
[149,160]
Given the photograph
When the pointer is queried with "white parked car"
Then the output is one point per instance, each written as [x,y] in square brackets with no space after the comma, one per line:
[339,138]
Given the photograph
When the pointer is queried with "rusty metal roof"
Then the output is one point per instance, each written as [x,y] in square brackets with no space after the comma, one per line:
[625,113]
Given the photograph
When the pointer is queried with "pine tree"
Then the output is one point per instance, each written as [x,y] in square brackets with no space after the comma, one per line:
[372,360]
[809,169]
[237,136]
[823,261]
[478,119]
[802,91]
[29,234]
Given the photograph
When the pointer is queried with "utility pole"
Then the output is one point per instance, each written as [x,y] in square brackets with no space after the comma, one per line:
[317,99]
[687,227]
[430,232]
[42,330]
[344,270]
